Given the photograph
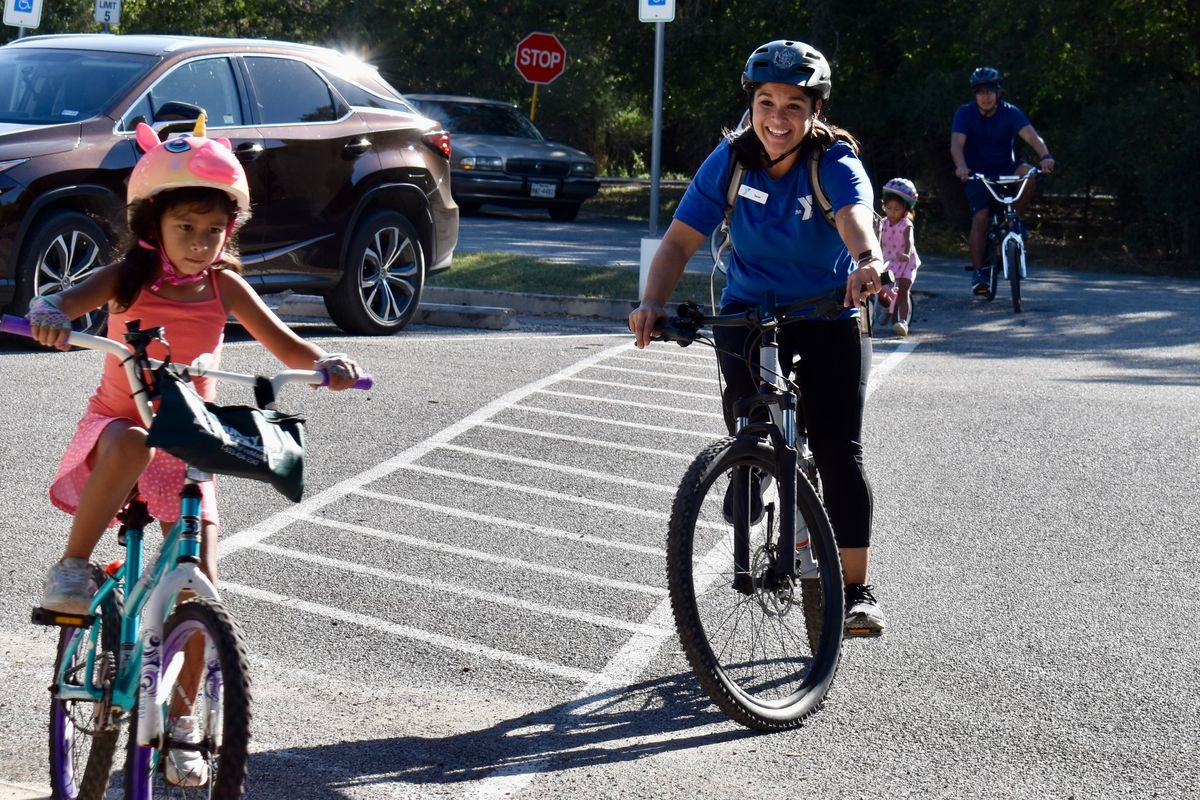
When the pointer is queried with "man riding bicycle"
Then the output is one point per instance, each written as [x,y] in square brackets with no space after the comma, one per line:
[982,141]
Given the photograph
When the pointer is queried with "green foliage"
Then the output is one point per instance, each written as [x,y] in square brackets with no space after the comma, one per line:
[1110,84]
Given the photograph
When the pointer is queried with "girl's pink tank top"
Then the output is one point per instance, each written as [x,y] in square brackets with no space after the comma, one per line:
[191,328]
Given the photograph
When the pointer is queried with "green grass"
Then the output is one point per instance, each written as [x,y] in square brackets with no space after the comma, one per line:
[505,272]
[632,202]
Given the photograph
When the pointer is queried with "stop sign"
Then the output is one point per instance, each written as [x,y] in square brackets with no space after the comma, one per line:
[540,57]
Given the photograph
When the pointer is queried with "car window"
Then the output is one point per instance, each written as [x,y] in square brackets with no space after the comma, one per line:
[44,87]
[362,97]
[289,91]
[208,83]
[480,118]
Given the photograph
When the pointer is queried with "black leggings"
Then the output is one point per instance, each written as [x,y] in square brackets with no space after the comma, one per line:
[834,362]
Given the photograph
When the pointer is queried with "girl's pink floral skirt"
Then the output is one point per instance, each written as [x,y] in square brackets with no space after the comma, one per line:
[160,484]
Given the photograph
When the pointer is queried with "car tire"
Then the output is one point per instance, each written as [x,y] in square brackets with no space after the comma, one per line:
[382,277]
[63,250]
[564,213]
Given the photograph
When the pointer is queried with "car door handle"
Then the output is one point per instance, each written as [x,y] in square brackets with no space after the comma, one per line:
[356,148]
[248,151]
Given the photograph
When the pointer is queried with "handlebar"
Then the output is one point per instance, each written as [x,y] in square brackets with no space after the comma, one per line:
[21,327]
[684,327]
[990,182]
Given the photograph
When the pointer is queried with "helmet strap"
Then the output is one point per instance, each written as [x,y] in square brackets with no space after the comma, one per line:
[169,274]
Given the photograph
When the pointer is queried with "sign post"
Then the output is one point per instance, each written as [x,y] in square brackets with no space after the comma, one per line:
[540,59]
[22,14]
[108,12]
[659,12]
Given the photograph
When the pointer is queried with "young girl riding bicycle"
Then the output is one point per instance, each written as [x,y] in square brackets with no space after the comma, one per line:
[187,197]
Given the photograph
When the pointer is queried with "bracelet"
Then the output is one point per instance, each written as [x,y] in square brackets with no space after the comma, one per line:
[866,257]
[1043,158]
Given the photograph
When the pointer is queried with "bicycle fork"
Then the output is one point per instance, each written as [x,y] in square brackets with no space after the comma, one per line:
[792,558]
[1016,237]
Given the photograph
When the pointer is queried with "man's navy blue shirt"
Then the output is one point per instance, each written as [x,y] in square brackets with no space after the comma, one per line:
[990,140]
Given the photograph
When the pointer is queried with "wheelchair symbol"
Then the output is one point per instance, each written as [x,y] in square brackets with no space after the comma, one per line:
[24,6]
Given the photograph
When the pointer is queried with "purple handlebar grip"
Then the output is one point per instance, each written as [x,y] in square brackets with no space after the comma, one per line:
[364,382]
[17,325]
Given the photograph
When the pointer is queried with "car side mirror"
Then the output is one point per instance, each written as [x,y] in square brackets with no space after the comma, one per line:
[175,116]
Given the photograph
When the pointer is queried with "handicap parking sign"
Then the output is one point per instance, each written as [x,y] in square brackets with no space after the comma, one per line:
[23,13]
[656,10]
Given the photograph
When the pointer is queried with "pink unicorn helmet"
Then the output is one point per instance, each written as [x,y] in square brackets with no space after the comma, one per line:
[187,161]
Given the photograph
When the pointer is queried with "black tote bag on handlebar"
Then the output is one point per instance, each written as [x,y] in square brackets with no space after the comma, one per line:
[243,441]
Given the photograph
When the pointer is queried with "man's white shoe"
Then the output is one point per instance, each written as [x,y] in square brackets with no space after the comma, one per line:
[186,766]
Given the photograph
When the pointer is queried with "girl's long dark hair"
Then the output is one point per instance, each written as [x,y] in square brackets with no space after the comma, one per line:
[139,266]
[751,154]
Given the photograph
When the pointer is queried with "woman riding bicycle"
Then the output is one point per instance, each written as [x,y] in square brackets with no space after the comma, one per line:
[783,244]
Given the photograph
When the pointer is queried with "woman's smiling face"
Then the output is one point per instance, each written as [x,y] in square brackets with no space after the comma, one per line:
[783,116]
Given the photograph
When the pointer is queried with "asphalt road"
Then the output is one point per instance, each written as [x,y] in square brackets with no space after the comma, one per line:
[469,603]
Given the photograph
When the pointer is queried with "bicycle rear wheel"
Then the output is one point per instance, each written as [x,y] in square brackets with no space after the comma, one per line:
[1012,255]
[83,737]
[765,655]
[221,710]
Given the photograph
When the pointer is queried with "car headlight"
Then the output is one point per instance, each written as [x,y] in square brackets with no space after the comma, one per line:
[481,163]
[582,169]
[7,165]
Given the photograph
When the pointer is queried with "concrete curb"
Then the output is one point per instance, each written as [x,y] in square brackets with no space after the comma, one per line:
[473,308]
[14,791]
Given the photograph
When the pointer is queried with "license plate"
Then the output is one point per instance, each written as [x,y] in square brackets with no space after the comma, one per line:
[542,189]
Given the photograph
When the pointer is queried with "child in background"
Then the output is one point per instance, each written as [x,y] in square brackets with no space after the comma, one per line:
[899,197]
[186,196]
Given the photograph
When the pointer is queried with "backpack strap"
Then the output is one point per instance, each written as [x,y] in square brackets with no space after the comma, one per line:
[814,180]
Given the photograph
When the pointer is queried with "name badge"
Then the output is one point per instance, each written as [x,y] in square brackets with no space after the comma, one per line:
[750,193]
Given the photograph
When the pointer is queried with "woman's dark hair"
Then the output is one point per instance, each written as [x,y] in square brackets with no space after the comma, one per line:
[751,154]
[141,266]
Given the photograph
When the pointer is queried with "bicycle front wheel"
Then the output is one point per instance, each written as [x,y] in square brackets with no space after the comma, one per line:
[1012,255]
[206,672]
[83,736]
[766,654]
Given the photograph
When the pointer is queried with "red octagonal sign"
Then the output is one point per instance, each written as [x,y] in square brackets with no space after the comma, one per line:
[540,57]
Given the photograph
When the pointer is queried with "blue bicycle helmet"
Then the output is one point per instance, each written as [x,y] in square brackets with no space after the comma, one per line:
[786,61]
[987,76]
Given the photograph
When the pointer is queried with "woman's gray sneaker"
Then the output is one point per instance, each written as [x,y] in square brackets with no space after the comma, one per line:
[864,617]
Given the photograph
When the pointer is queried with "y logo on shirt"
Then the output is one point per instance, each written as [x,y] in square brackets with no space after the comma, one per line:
[804,207]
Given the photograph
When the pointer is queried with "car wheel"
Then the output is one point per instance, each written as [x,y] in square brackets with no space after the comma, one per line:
[382,278]
[63,250]
[564,213]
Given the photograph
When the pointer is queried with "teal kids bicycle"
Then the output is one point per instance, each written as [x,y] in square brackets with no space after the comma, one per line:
[157,651]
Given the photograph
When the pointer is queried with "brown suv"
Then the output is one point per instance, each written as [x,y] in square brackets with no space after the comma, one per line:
[350,184]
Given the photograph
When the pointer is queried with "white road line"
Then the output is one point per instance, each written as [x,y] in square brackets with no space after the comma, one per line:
[655,389]
[629,448]
[406,632]
[525,527]
[443,587]
[479,555]
[273,524]
[539,492]
[568,470]
[625,667]
[641,426]
[655,374]
[635,403]
[668,362]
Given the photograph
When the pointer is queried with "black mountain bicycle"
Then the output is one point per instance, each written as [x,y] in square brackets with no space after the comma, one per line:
[752,564]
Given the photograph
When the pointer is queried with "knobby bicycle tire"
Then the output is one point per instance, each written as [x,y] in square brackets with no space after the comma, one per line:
[774,682]
[1012,254]
[222,706]
[75,734]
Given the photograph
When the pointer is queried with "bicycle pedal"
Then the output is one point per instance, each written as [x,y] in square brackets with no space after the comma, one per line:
[46,616]
[862,633]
